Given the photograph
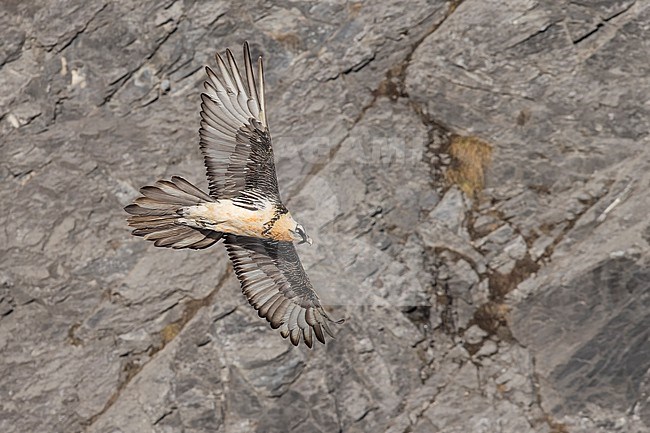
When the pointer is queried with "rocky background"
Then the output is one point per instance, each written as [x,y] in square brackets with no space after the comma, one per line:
[475,175]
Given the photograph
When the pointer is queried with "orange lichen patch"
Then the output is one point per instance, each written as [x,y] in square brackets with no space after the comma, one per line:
[557,427]
[290,40]
[502,284]
[470,157]
[355,8]
[170,331]
[453,5]
[491,316]
[72,338]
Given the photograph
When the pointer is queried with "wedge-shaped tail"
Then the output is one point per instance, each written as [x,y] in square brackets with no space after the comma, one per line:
[156,217]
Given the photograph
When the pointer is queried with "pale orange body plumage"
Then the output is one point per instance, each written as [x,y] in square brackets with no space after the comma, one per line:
[226,217]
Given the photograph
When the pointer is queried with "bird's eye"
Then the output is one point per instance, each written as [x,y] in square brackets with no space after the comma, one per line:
[299,230]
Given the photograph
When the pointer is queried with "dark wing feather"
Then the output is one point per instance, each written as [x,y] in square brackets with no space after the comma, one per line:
[235,138]
[275,284]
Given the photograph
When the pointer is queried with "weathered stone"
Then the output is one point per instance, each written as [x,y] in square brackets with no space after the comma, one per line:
[101,332]
[474,335]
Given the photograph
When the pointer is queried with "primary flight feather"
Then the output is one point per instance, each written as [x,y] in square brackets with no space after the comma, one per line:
[243,207]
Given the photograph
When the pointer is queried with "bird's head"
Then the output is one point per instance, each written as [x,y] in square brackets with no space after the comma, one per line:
[298,234]
[287,229]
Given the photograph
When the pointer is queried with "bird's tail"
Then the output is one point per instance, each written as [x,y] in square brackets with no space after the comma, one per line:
[156,217]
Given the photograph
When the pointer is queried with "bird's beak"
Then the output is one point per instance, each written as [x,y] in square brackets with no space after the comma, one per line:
[306,240]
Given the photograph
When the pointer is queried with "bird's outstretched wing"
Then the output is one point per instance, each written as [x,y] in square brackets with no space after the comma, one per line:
[275,284]
[235,138]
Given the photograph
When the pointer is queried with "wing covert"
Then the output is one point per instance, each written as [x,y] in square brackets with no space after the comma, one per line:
[234,137]
[275,284]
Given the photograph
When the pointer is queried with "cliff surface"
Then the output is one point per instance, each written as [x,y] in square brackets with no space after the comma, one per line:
[474,175]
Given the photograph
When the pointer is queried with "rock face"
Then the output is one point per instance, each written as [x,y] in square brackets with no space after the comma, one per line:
[474,175]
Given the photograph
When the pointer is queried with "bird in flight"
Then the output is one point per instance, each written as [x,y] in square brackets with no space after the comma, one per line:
[243,207]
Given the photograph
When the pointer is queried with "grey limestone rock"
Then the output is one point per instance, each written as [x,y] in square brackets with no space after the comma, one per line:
[519,306]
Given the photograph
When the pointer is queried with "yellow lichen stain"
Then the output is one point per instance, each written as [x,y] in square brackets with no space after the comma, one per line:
[453,5]
[72,338]
[355,8]
[491,316]
[556,427]
[470,157]
[170,331]
[290,40]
